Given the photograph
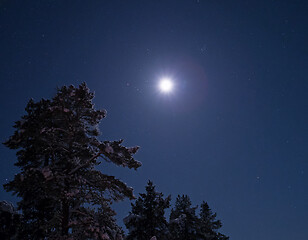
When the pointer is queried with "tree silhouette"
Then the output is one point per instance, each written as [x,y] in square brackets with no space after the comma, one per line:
[147,217]
[63,195]
[183,222]
[208,225]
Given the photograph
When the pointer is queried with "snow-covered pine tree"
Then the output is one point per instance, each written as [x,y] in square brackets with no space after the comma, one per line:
[183,223]
[63,195]
[147,217]
[208,225]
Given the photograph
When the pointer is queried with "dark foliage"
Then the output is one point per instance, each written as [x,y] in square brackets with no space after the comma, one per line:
[9,221]
[63,195]
[183,222]
[147,217]
[208,225]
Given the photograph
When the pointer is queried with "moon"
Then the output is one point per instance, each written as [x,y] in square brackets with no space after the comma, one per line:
[166,85]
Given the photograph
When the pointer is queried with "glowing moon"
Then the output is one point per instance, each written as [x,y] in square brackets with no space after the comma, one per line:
[166,85]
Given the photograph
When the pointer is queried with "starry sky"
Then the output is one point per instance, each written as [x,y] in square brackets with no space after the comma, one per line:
[233,132]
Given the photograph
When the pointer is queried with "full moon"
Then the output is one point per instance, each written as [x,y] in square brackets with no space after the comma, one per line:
[166,85]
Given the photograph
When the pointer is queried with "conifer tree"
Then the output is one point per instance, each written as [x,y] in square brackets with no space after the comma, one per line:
[146,218]
[183,222]
[208,225]
[63,195]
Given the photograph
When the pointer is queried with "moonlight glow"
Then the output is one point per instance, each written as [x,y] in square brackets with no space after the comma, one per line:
[165,85]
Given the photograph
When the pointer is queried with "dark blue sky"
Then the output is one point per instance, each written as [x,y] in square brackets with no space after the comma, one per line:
[233,133]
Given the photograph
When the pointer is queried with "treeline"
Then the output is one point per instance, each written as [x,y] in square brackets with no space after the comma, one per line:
[147,219]
[62,194]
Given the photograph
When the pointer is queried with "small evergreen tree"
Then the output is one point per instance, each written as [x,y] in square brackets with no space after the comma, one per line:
[183,222]
[208,225]
[147,217]
[62,194]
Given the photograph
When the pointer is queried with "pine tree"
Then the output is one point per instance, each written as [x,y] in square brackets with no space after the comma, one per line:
[183,222]
[63,195]
[208,225]
[146,218]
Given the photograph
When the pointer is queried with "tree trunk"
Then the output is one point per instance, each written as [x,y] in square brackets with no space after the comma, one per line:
[65,217]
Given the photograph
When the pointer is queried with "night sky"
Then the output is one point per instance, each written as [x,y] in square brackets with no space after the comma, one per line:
[233,132]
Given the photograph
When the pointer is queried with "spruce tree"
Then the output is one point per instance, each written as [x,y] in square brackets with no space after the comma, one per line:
[63,195]
[208,225]
[147,217]
[183,222]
